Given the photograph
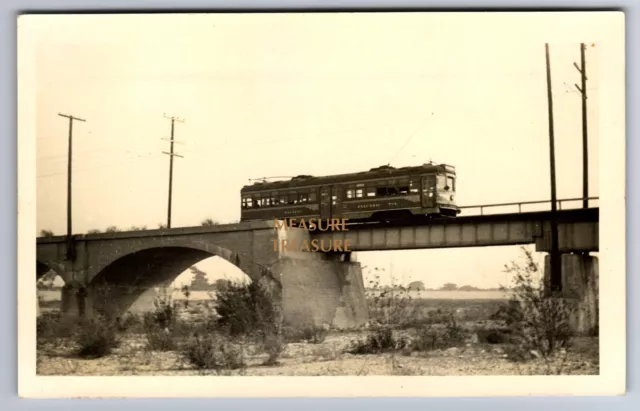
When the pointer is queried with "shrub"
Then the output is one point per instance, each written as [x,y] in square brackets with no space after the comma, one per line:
[163,314]
[96,337]
[538,321]
[129,322]
[54,327]
[389,306]
[273,345]
[308,332]
[112,229]
[494,336]
[46,233]
[247,310]
[435,336]
[186,292]
[379,341]
[159,339]
[213,351]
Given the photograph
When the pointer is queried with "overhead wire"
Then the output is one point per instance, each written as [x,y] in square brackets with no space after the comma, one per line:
[410,138]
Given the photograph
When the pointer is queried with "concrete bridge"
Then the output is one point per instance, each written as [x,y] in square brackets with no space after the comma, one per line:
[111,270]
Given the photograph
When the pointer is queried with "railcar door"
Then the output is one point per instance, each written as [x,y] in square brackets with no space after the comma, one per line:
[429,191]
[336,201]
[325,202]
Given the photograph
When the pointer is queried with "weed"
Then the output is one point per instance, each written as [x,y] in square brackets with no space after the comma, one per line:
[213,351]
[308,333]
[96,337]
[380,341]
[539,321]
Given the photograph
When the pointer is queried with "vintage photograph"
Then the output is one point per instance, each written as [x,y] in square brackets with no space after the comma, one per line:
[322,194]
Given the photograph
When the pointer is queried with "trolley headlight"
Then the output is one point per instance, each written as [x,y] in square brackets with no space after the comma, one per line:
[451,198]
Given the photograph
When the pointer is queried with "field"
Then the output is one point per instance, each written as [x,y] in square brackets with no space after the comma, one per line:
[432,333]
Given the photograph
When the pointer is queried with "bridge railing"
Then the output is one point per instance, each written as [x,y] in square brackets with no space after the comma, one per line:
[578,204]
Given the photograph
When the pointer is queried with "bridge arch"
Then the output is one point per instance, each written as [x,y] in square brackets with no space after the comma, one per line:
[44,266]
[121,282]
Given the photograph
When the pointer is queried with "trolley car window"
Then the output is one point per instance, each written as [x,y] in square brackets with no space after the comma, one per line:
[371,191]
[451,182]
[283,199]
[414,186]
[441,181]
[304,197]
[403,186]
[249,203]
[293,197]
[359,193]
[349,193]
[312,196]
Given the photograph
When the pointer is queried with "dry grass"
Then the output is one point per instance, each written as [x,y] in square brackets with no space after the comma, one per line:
[328,354]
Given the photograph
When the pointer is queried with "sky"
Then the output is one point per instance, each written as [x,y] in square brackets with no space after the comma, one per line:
[288,94]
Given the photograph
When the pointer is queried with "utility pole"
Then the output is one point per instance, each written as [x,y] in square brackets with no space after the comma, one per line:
[585,141]
[71,255]
[555,275]
[171,154]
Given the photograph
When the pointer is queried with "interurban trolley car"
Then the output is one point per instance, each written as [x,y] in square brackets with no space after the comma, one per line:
[380,194]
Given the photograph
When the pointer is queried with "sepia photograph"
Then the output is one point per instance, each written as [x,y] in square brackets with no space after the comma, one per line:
[321,195]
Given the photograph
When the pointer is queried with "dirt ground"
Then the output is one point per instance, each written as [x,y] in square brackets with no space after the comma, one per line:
[330,357]
[327,358]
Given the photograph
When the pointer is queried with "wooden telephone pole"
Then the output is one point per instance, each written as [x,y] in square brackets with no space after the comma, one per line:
[555,275]
[585,141]
[71,255]
[171,154]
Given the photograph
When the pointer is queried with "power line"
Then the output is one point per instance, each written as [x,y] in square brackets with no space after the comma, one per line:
[410,138]
[171,154]
[109,165]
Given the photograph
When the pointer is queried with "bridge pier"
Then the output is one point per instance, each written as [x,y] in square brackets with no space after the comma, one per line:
[319,288]
[579,289]
[320,291]
[73,300]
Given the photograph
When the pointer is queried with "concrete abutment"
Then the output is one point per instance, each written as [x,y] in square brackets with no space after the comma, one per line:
[579,290]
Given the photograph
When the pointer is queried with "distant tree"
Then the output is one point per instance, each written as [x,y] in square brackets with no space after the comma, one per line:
[112,229]
[46,233]
[209,222]
[162,226]
[449,287]
[199,281]
[468,288]
[94,231]
[138,228]
[416,286]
